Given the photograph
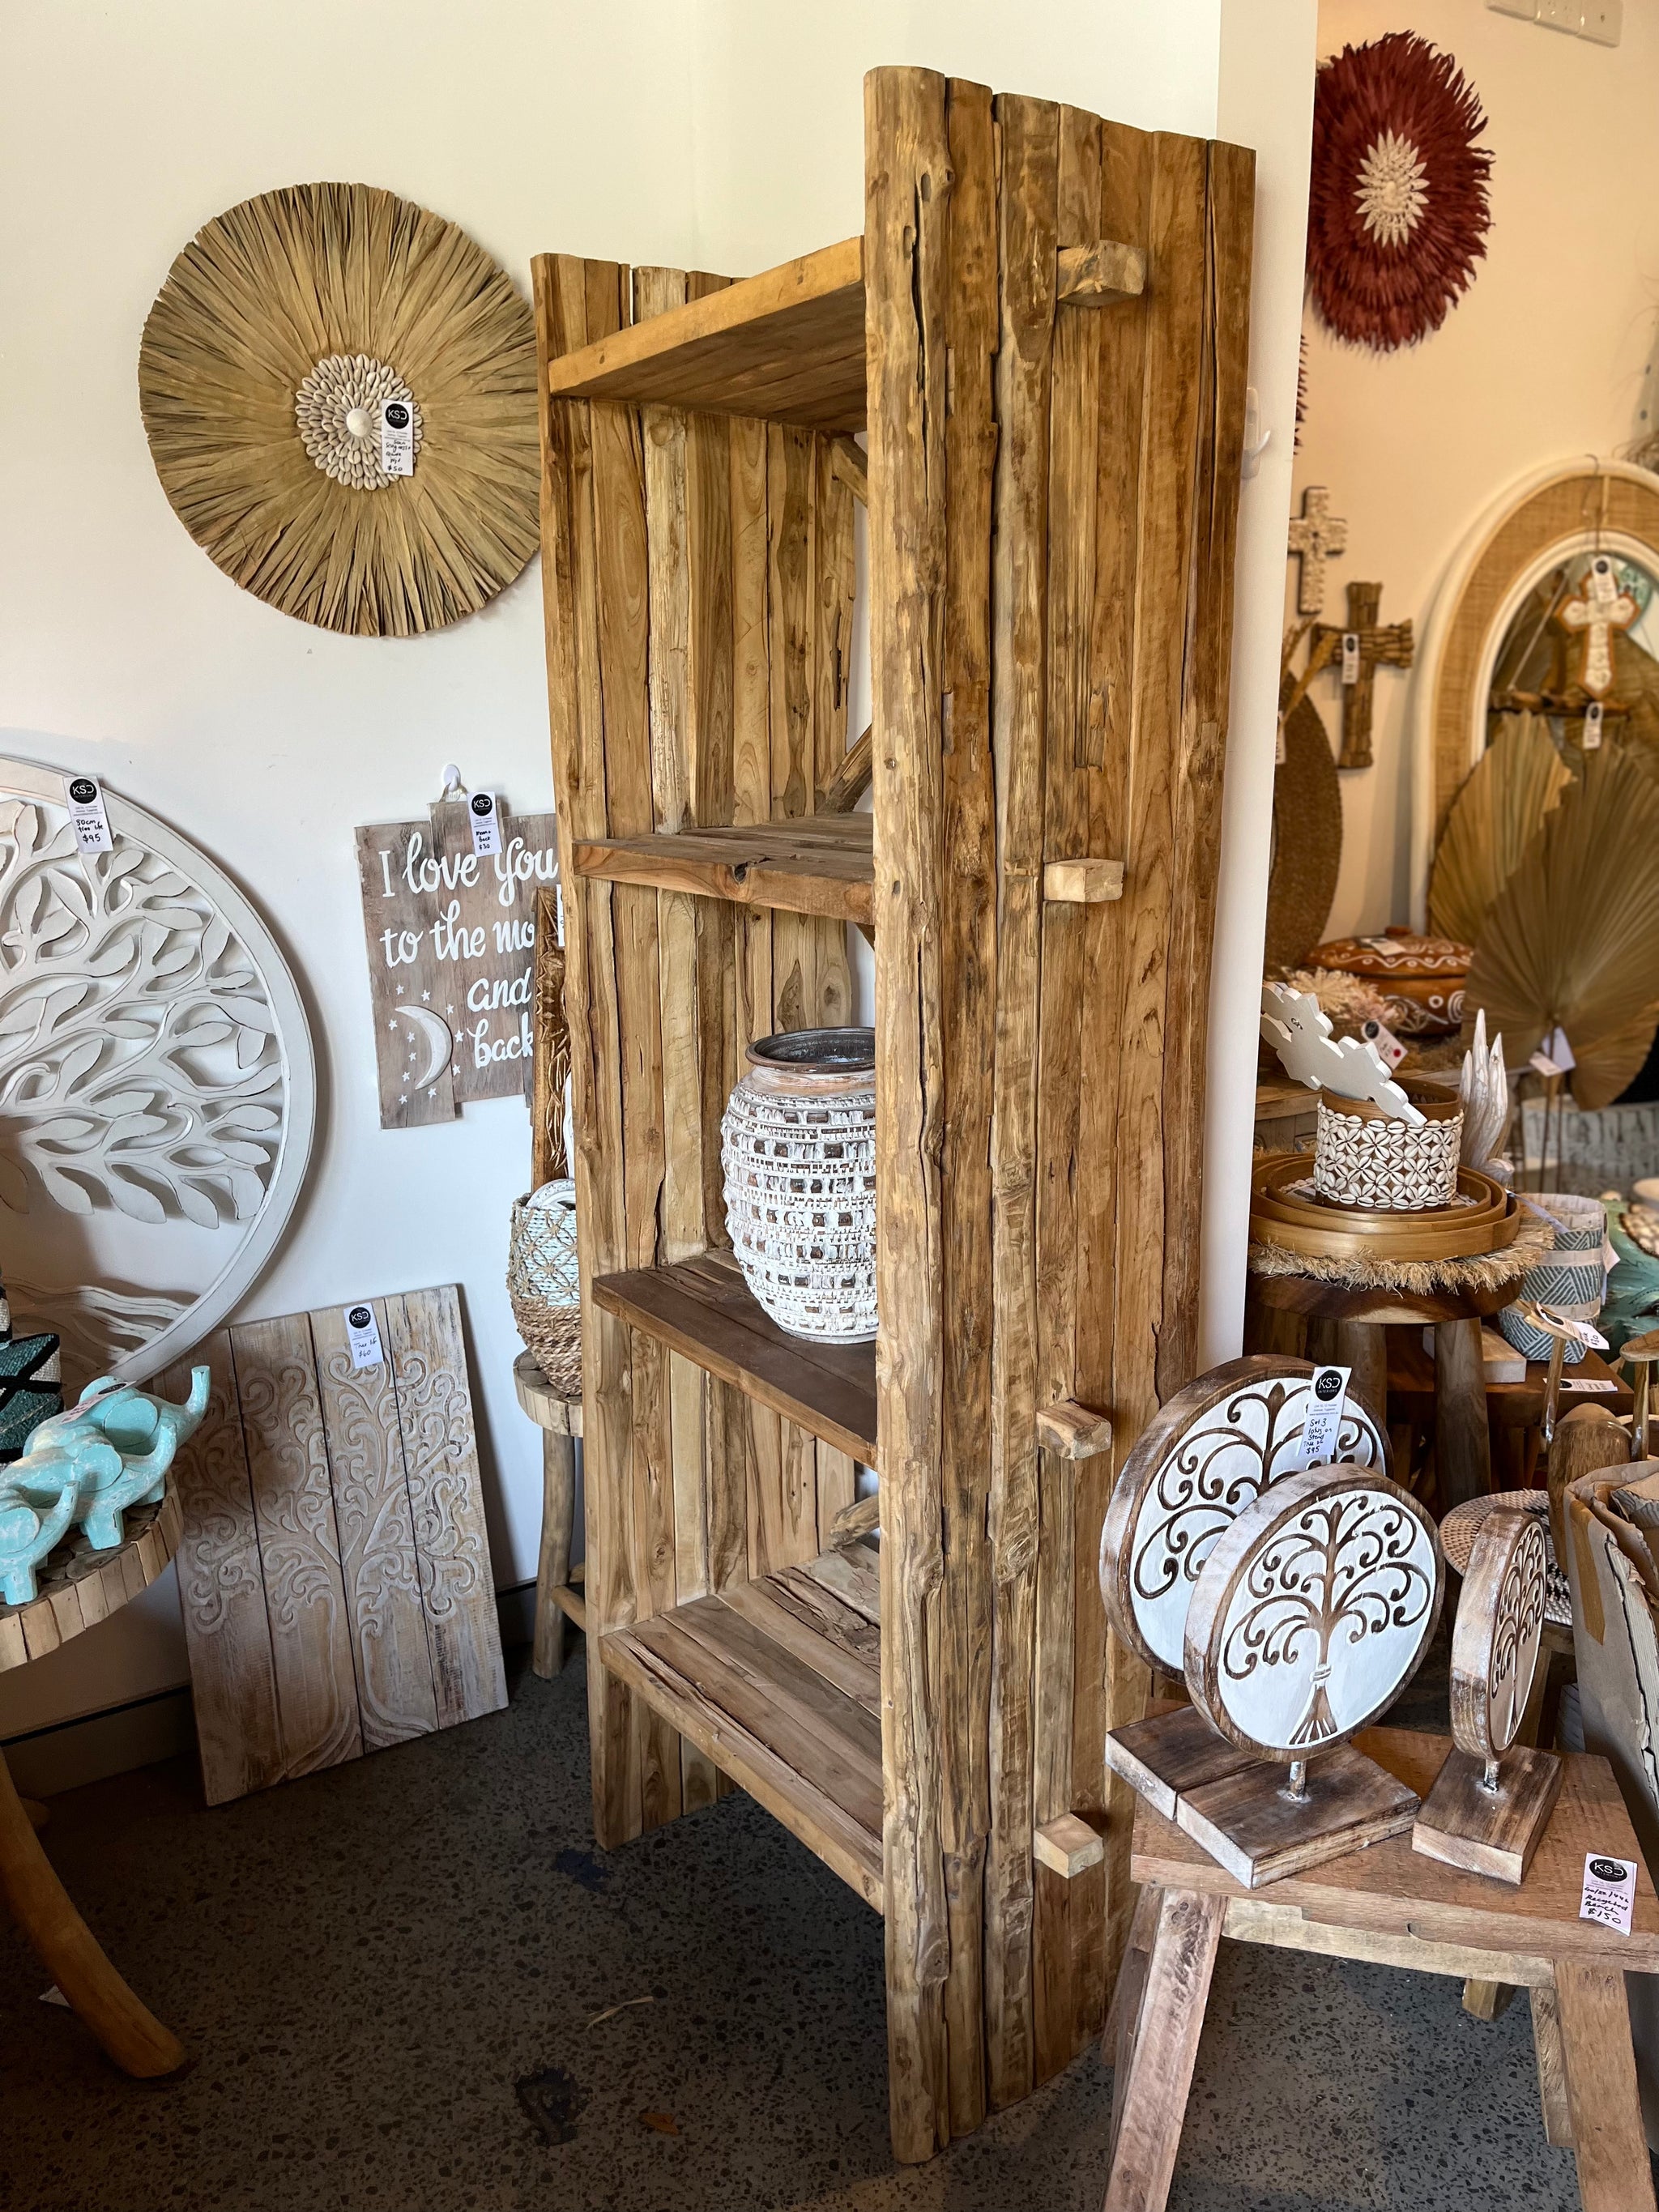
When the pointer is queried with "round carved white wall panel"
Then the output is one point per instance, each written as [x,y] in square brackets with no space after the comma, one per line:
[1500,1627]
[1312,1611]
[157,1088]
[1202,1459]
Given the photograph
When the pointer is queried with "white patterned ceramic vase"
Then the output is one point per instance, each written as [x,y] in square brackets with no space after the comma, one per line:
[1364,1157]
[797,1145]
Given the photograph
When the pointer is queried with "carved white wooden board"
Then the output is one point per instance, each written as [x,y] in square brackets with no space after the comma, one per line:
[334,1568]
[1496,1637]
[156,1083]
[1312,1611]
[1207,1454]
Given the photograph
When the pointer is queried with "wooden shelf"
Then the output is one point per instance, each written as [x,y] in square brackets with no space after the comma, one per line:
[788,344]
[822,864]
[704,1308]
[778,1681]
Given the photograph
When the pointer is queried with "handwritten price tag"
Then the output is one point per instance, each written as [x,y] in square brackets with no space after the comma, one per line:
[363,1338]
[1609,1896]
[1322,1424]
[86,805]
[486,829]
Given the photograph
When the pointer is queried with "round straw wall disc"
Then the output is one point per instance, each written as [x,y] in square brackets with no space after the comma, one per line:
[1204,1456]
[1312,1611]
[1500,1622]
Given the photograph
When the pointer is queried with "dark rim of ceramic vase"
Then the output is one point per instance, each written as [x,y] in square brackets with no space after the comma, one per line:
[823,1052]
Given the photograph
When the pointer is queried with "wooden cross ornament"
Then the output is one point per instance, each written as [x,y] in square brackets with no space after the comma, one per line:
[1596,608]
[1316,536]
[1362,648]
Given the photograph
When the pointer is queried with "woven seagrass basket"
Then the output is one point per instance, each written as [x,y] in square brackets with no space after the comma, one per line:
[543,1284]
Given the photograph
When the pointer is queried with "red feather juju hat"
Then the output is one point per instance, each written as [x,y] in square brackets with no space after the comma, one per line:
[1398,213]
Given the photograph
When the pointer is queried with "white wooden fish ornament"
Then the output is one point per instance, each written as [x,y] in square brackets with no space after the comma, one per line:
[1300,1033]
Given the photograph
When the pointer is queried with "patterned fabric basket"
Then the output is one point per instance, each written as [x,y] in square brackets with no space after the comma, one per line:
[1571,1279]
[1364,1157]
[542,1284]
[797,1144]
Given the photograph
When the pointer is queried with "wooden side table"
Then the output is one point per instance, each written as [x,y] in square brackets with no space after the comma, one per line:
[1395,1908]
[1462,1447]
[1515,1411]
[559,1594]
[78,1587]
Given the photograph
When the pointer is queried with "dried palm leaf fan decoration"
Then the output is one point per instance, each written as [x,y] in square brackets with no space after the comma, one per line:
[1398,212]
[1571,939]
[1493,821]
[282,327]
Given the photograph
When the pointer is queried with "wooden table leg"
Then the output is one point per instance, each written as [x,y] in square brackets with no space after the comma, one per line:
[1149,2096]
[553,1569]
[1614,2174]
[1462,1444]
[1363,1346]
[134,2039]
[1552,2069]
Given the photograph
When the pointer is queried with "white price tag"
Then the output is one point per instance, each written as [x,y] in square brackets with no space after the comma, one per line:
[1545,1065]
[1588,1383]
[1592,726]
[1278,745]
[1351,656]
[1380,1035]
[1609,1892]
[363,1338]
[1322,1424]
[486,829]
[397,438]
[1558,1050]
[86,805]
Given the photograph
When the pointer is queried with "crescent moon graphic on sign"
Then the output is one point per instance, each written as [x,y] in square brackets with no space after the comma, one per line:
[434,1032]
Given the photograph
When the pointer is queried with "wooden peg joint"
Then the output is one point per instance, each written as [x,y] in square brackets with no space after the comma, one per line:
[1100,275]
[1068,1844]
[1073,1431]
[1083,882]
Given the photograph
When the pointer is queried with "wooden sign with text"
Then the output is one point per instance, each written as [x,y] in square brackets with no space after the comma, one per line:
[452,936]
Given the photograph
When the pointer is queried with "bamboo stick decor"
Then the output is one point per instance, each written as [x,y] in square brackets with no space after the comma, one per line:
[1052,486]
[282,329]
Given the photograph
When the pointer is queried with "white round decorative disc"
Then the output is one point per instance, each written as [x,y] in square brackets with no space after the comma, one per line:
[1312,1611]
[1500,1622]
[1206,1455]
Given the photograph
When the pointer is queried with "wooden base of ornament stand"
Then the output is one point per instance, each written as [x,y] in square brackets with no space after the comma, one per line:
[1243,1810]
[1491,1832]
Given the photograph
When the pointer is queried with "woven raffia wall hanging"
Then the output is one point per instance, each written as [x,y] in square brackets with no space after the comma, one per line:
[1397,212]
[282,329]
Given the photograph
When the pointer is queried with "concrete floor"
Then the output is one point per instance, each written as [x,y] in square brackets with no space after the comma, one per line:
[397,1978]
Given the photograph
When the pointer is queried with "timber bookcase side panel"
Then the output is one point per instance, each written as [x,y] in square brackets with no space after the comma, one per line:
[698,578]
[1052,484]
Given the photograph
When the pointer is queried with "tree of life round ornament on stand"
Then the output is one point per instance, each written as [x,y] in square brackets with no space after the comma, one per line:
[1206,1454]
[1493,1799]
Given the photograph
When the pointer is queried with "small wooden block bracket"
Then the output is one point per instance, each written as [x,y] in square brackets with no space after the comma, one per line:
[1073,1431]
[848,463]
[1100,275]
[1083,882]
[855,1521]
[1068,1844]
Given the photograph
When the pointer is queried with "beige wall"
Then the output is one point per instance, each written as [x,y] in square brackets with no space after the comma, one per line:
[1542,359]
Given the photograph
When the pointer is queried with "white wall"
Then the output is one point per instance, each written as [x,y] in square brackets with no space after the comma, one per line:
[725,134]
[1541,359]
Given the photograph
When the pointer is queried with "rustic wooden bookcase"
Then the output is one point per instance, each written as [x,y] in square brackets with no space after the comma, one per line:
[1043,329]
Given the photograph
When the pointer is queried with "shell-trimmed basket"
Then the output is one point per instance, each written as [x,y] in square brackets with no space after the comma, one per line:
[1363,1156]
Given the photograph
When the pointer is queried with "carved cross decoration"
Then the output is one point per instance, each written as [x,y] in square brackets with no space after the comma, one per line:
[1598,608]
[1375,646]
[1316,535]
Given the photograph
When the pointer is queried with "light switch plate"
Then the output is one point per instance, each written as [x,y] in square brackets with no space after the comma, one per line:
[1527,9]
[1560,15]
[1603,21]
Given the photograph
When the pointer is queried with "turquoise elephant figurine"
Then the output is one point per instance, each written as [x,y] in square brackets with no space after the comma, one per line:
[38,1501]
[145,1432]
[88,1464]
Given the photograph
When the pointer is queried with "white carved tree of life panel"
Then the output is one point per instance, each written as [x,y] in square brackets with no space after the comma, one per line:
[1312,1611]
[156,1084]
[1208,1453]
[1498,1633]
